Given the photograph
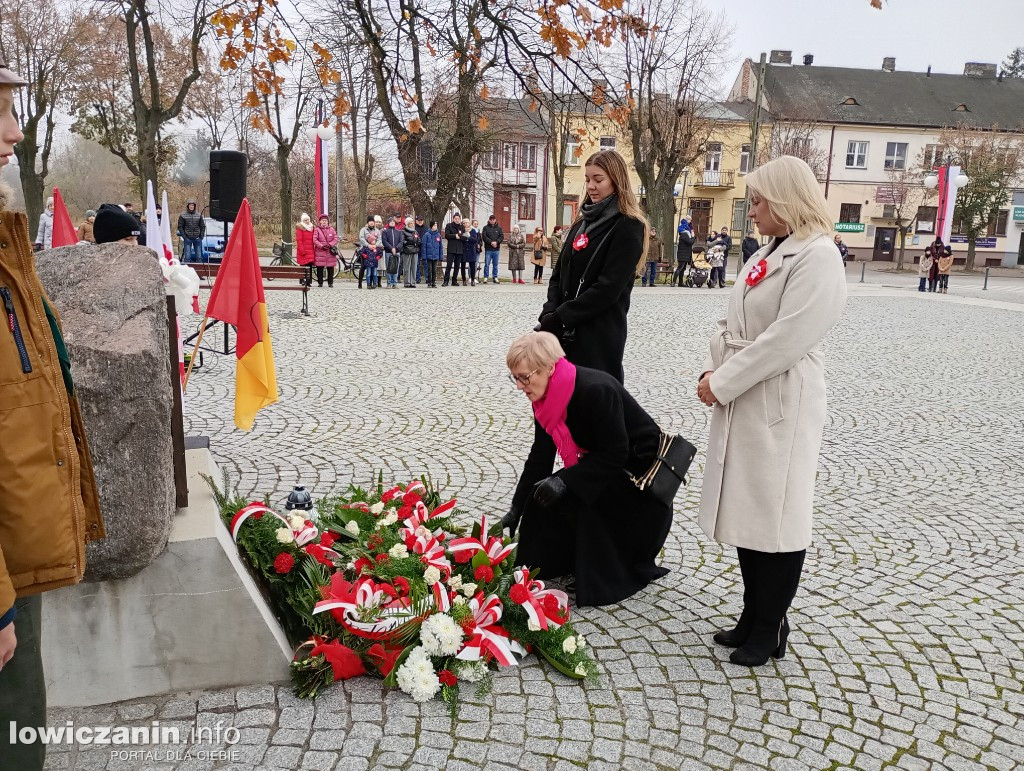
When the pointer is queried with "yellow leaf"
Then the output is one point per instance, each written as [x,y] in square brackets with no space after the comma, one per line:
[485,92]
[290,45]
[482,123]
[415,126]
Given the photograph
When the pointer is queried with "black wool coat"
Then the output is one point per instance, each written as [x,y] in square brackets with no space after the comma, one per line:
[605,531]
[591,296]
[453,231]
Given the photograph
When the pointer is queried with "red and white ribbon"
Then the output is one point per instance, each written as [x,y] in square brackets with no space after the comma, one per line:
[247,511]
[367,611]
[487,637]
[495,548]
[534,605]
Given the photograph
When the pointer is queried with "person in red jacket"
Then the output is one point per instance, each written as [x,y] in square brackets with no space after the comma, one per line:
[304,247]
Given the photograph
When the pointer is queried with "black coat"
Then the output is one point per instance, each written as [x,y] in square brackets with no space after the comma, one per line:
[597,308]
[605,531]
[684,250]
[749,246]
[454,231]
[492,233]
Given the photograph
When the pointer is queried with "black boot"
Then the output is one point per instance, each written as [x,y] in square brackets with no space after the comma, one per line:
[763,643]
[737,636]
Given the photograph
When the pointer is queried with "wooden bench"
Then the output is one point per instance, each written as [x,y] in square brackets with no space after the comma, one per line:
[279,277]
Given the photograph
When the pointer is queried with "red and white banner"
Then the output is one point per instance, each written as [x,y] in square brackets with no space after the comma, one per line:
[320,172]
[947,202]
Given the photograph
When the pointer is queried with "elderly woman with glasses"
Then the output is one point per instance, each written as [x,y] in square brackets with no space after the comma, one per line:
[587,520]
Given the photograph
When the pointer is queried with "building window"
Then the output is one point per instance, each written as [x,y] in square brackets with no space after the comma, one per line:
[491,157]
[744,159]
[527,206]
[738,211]
[607,143]
[572,150]
[926,216]
[527,157]
[713,158]
[934,155]
[849,212]
[511,152]
[997,225]
[857,155]
[896,155]
[889,211]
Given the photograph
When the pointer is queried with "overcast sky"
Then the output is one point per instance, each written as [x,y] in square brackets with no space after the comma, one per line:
[849,33]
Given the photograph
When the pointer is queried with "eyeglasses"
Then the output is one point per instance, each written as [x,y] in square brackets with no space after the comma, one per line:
[522,379]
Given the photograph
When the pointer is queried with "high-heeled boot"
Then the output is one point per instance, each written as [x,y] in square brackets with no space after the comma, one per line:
[737,636]
[764,642]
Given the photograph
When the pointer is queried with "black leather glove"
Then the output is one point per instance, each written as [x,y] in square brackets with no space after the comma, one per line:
[511,521]
[550,322]
[549,491]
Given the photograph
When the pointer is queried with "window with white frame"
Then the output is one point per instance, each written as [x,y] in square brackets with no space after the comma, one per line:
[491,157]
[896,155]
[511,155]
[572,150]
[607,143]
[934,155]
[528,157]
[713,157]
[856,154]
[744,159]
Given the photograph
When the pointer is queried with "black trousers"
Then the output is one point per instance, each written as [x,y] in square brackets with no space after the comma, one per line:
[23,689]
[678,276]
[320,276]
[452,267]
[538,271]
[770,582]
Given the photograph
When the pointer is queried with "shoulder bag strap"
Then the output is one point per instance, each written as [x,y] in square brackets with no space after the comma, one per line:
[590,262]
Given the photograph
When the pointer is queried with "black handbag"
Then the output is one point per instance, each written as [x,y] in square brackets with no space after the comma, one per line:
[663,478]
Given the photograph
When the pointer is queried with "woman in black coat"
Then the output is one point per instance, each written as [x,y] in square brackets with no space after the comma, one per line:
[588,296]
[455,233]
[588,519]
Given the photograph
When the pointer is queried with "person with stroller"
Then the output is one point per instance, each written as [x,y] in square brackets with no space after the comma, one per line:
[700,271]
[684,251]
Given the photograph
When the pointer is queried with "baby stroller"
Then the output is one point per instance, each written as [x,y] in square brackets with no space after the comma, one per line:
[695,277]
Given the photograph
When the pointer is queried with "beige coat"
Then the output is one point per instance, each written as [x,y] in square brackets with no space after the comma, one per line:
[769,378]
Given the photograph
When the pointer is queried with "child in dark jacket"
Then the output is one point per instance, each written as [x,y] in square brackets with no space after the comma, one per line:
[433,252]
[371,255]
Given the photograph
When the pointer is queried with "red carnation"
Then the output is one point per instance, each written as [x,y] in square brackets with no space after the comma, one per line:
[382,558]
[462,557]
[363,564]
[402,584]
[405,512]
[308,523]
[388,496]
[468,625]
[519,594]
[327,540]
[388,589]
[319,554]
[447,677]
[551,604]
[284,563]
[484,573]
[411,499]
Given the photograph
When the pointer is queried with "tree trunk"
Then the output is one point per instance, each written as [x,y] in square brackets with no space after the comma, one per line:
[363,186]
[661,211]
[283,152]
[148,168]
[33,184]
[903,246]
[972,245]
[559,205]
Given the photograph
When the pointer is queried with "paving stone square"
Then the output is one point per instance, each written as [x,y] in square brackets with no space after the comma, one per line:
[907,648]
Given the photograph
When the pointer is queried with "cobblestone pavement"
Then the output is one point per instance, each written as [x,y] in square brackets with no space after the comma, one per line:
[908,641]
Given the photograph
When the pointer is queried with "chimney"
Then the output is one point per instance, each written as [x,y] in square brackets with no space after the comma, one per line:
[808,60]
[980,70]
[889,64]
[781,57]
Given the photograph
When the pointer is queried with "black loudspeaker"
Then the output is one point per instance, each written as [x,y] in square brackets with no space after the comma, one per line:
[227,183]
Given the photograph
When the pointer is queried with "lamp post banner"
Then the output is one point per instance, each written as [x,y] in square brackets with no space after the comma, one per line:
[947,202]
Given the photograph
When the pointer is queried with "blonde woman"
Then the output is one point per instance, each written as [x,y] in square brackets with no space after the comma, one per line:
[590,287]
[765,380]
[541,249]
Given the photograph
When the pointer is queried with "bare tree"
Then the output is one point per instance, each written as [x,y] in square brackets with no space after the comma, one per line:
[904,190]
[141,81]
[46,46]
[795,135]
[994,163]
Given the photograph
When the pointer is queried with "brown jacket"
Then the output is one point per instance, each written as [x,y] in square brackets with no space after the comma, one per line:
[49,506]
[85,232]
[945,264]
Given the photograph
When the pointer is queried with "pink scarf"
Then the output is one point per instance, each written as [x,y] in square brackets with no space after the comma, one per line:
[551,411]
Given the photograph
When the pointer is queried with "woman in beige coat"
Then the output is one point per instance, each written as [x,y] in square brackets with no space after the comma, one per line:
[765,378]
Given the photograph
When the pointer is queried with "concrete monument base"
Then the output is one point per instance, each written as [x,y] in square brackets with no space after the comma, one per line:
[193,619]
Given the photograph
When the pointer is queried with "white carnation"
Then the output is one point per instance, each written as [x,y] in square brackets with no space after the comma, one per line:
[581,641]
[377,508]
[455,583]
[352,527]
[398,551]
[285,535]
[580,670]
[440,635]
[569,645]
[423,532]
[469,589]
[460,600]
[387,520]
[431,575]
[296,522]
[532,625]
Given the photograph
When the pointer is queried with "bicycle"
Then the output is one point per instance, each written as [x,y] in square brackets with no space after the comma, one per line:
[282,254]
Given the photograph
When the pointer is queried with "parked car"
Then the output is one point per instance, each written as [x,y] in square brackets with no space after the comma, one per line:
[213,242]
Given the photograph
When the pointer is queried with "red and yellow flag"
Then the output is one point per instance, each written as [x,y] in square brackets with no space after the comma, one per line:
[237,299]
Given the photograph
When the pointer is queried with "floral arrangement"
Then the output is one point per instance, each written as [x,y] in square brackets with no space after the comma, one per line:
[384,583]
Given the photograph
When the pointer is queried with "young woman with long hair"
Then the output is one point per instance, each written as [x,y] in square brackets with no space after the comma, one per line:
[590,287]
